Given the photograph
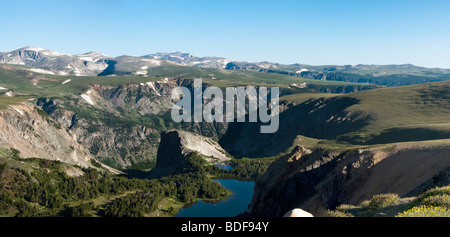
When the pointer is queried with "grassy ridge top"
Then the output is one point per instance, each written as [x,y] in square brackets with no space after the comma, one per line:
[409,113]
[397,114]
[5,101]
[222,78]
[19,78]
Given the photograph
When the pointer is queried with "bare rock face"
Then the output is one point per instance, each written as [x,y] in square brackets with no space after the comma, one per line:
[96,118]
[323,119]
[323,179]
[177,145]
[120,145]
[152,97]
[35,135]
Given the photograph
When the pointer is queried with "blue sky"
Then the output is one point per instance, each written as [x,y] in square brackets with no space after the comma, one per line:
[312,32]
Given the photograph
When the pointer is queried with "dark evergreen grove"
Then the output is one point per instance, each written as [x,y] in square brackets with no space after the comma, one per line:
[46,189]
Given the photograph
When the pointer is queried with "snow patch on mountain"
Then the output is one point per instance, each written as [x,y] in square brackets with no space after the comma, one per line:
[87,97]
[152,85]
[302,70]
[18,111]
[143,71]
[43,71]
[44,51]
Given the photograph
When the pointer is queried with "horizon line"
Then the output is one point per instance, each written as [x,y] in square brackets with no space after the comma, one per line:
[232,60]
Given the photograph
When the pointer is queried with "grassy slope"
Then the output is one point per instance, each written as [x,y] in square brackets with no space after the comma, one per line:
[419,112]
[17,78]
[434,202]
[372,69]
[224,78]
[390,75]
[5,101]
[408,113]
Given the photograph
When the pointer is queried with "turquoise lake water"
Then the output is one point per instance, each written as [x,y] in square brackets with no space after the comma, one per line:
[236,204]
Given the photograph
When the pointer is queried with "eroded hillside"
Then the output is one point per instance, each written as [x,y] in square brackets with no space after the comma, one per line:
[323,179]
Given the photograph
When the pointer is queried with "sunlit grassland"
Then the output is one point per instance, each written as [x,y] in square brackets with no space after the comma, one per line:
[407,113]
[434,202]
[5,101]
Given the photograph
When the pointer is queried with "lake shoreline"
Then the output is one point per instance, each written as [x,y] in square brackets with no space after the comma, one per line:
[235,204]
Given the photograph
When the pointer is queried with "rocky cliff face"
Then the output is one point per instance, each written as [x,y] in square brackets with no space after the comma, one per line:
[103,120]
[145,98]
[319,180]
[120,125]
[35,134]
[175,148]
[324,118]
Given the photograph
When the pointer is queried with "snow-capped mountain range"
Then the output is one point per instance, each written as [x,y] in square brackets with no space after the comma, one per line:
[46,61]
[190,60]
[93,64]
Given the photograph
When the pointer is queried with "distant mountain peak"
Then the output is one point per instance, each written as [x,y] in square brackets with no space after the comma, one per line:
[32,48]
[92,53]
[188,59]
[40,50]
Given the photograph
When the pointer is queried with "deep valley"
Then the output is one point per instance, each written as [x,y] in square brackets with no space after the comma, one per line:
[92,135]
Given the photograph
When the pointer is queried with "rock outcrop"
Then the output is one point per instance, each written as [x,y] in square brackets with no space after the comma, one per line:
[120,125]
[152,97]
[175,148]
[36,135]
[323,179]
[297,212]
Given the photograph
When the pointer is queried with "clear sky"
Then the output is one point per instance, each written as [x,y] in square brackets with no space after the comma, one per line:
[315,32]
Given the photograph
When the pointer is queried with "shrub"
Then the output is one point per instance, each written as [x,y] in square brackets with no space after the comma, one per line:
[15,154]
[383,200]
[82,210]
[344,207]
[3,167]
[439,200]
[425,211]
[435,192]
[339,213]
